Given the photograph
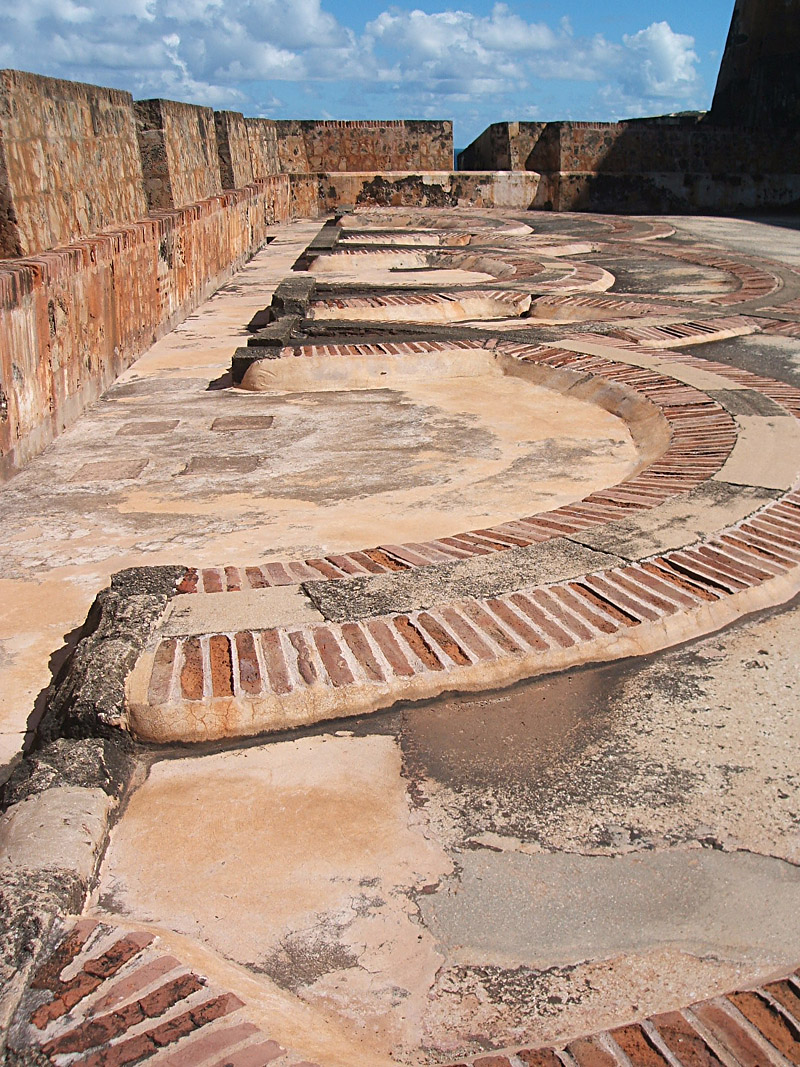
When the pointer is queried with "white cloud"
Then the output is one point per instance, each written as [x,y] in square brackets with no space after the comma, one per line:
[234,52]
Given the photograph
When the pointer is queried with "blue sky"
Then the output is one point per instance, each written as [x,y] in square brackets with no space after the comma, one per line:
[476,62]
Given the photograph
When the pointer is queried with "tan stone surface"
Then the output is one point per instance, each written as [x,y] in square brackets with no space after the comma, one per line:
[269,847]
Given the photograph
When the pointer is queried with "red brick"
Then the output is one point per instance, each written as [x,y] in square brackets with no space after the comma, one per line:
[681,1038]
[730,1034]
[199,1049]
[249,670]
[588,1052]
[305,663]
[531,605]
[672,593]
[188,583]
[517,625]
[605,586]
[361,649]
[131,1051]
[417,643]
[106,1028]
[192,670]
[775,1028]
[324,568]
[256,578]
[636,1045]
[486,624]
[132,983]
[254,1056]
[385,560]
[443,639]
[368,563]
[466,633]
[703,571]
[219,654]
[787,996]
[233,580]
[277,671]
[748,572]
[117,955]
[662,569]
[212,580]
[390,648]
[541,1057]
[279,574]
[332,659]
[582,609]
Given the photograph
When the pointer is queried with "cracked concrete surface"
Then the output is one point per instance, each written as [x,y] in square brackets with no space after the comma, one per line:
[435,881]
[526,864]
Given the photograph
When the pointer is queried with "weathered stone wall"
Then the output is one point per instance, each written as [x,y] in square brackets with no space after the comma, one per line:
[69,162]
[759,78]
[179,153]
[311,146]
[651,166]
[428,189]
[262,137]
[233,149]
[665,167]
[72,319]
[503,146]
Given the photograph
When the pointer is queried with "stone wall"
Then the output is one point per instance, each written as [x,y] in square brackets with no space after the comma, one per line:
[179,153]
[669,165]
[660,166]
[72,319]
[503,146]
[69,162]
[262,138]
[233,149]
[428,189]
[759,78]
[312,146]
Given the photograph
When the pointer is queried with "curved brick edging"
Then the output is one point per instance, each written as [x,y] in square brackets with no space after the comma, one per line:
[703,435]
[112,996]
[219,685]
[757,1026]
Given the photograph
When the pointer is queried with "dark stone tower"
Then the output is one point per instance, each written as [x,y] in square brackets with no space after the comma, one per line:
[759,79]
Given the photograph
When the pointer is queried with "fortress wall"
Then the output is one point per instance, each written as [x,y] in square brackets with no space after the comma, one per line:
[663,166]
[73,318]
[69,162]
[233,150]
[429,189]
[316,146]
[759,77]
[648,166]
[179,152]
[502,146]
[262,138]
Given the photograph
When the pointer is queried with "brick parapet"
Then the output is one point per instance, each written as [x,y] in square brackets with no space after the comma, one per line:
[71,319]
[178,144]
[97,183]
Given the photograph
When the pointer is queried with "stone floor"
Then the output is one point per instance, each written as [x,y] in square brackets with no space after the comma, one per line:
[515,598]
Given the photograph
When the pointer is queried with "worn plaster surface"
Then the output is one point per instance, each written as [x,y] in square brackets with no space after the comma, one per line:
[462,879]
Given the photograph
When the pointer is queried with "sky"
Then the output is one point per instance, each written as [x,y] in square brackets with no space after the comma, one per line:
[474,62]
